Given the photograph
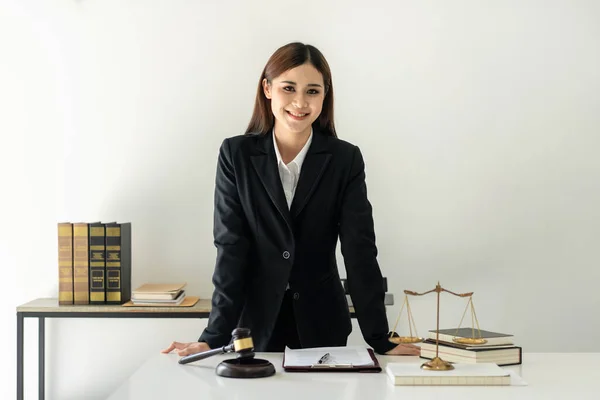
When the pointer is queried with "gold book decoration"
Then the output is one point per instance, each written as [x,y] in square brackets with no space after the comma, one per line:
[437,364]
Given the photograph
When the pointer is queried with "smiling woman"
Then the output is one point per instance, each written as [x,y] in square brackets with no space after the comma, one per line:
[296,99]
[285,192]
[292,69]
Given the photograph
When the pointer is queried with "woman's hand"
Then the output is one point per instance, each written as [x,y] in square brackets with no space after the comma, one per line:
[405,350]
[184,349]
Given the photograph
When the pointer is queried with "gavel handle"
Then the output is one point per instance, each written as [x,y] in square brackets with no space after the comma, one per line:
[205,354]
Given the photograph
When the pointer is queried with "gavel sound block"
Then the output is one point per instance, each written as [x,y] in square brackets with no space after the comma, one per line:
[244,366]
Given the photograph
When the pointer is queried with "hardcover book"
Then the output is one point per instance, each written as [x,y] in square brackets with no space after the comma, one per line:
[97,252]
[81,265]
[150,291]
[65,263]
[118,262]
[493,338]
[458,353]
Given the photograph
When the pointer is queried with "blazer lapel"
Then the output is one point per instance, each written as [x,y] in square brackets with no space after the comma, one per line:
[314,165]
[265,165]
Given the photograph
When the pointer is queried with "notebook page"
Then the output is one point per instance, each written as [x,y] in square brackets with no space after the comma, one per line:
[354,355]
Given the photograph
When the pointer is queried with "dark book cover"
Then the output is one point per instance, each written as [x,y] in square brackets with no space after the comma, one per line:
[469,347]
[468,332]
[118,262]
[97,263]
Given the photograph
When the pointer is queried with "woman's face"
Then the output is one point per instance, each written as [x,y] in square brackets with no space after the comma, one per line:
[296,98]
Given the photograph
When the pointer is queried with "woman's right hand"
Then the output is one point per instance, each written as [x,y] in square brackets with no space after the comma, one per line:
[184,349]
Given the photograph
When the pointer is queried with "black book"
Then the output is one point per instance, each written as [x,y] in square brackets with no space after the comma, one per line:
[97,251]
[496,338]
[118,262]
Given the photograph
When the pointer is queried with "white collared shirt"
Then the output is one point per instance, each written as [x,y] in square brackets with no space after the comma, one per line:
[290,173]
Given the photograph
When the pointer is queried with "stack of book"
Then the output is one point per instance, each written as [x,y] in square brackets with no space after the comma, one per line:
[499,349]
[159,294]
[94,262]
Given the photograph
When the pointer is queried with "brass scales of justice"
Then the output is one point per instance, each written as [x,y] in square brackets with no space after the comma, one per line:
[437,364]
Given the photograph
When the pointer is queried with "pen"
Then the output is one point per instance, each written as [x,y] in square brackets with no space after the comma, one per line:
[324,358]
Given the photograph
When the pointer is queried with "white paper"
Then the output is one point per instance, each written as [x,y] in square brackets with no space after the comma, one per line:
[516,380]
[395,370]
[460,369]
[348,355]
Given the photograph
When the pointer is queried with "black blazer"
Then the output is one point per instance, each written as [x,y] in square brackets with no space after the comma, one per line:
[262,245]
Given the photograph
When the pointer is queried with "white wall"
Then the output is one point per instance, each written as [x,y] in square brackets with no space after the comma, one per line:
[479,122]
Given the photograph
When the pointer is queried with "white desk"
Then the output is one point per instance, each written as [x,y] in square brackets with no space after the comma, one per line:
[549,376]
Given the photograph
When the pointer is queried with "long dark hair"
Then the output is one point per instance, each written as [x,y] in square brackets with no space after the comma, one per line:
[285,58]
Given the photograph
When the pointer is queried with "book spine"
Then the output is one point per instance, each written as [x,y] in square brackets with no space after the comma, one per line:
[97,263]
[113,263]
[118,263]
[81,265]
[126,262]
[65,263]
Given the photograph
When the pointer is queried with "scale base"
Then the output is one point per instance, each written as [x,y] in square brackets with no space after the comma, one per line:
[245,368]
[437,364]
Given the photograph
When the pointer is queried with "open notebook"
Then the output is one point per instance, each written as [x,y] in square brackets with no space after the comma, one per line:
[333,359]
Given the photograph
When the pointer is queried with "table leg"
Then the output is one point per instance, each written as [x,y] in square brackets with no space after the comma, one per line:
[41,354]
[19,356]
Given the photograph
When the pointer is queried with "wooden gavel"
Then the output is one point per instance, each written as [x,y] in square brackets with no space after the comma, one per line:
[241,344]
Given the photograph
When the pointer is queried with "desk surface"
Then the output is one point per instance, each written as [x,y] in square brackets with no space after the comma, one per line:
[52,306]
[549,376]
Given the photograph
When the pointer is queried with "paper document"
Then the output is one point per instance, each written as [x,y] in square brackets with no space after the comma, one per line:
[484,374]
[413,370]
[348,355]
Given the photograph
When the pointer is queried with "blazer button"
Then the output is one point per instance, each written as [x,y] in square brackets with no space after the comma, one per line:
[296,296]
[286,254]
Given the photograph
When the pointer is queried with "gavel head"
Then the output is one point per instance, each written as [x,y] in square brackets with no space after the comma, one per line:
[242,343]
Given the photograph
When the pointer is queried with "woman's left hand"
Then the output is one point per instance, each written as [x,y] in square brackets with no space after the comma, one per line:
[405,350]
